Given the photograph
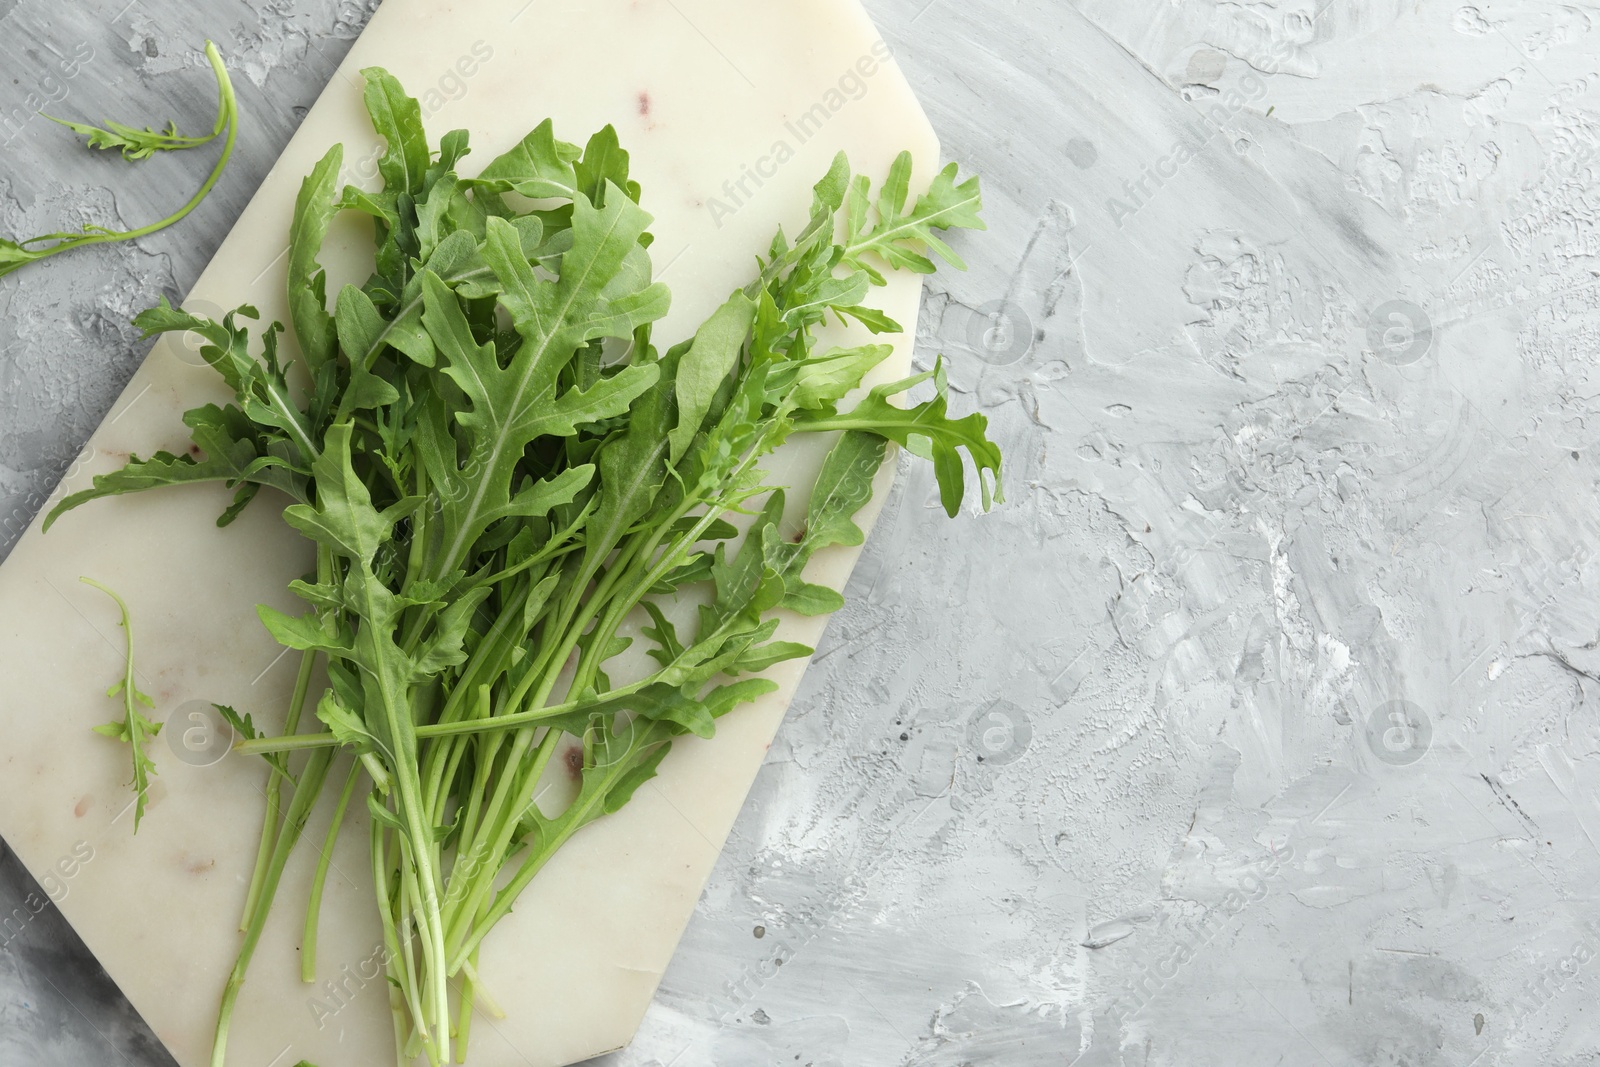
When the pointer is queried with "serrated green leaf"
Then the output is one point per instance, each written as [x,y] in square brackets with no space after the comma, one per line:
[928,422]
[134,729]
[901,237]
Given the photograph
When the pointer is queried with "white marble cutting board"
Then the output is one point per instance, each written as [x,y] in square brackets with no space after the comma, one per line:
[703,92]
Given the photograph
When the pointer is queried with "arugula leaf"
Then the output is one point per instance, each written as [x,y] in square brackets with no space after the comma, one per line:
[229,451]
[709,360]
[314,209]
[398,120]
[897,233]
[133,729]
[927,431]
[604,163]
[141,143]
[262,388]
[133,142]
[538,166]
[826,379]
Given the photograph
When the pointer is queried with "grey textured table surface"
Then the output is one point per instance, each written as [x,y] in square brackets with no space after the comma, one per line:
[1283,657]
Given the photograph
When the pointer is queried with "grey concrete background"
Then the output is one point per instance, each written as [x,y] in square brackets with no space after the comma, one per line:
[1260,726]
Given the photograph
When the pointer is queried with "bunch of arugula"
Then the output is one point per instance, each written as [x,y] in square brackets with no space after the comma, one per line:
[493,490]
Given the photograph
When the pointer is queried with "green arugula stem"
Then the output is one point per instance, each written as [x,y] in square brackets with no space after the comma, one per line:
[319,880]
[301,804]
[401,991]
[459,728]
[464,1012]
[275,786]
[577,814]
[416,837]
[141,144]
[499,826]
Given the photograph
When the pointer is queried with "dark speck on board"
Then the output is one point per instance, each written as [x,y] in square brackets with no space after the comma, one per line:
[644,103]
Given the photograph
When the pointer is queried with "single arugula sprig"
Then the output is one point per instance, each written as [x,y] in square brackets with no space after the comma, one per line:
[901,237]
[500,472]
[141,143]
[135,144]
[133,729]
[263,440]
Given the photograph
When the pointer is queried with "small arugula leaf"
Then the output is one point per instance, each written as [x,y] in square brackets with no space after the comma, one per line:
[228,350]
[453,147]
[871,318]
[633,469]
[826,379]
[632,759]
[604,163]
[445,648]
[133,728]
[669,646]
[724,698]
[134,144]
[739,580]
[808,598]
[141,143]
[352,733]
[304,633]
[705,367]
[343,517]
[696,569]
[228,451]
[262,388]
[542,497]
[843,487]
[902,237]
[161,469]
[760,657]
